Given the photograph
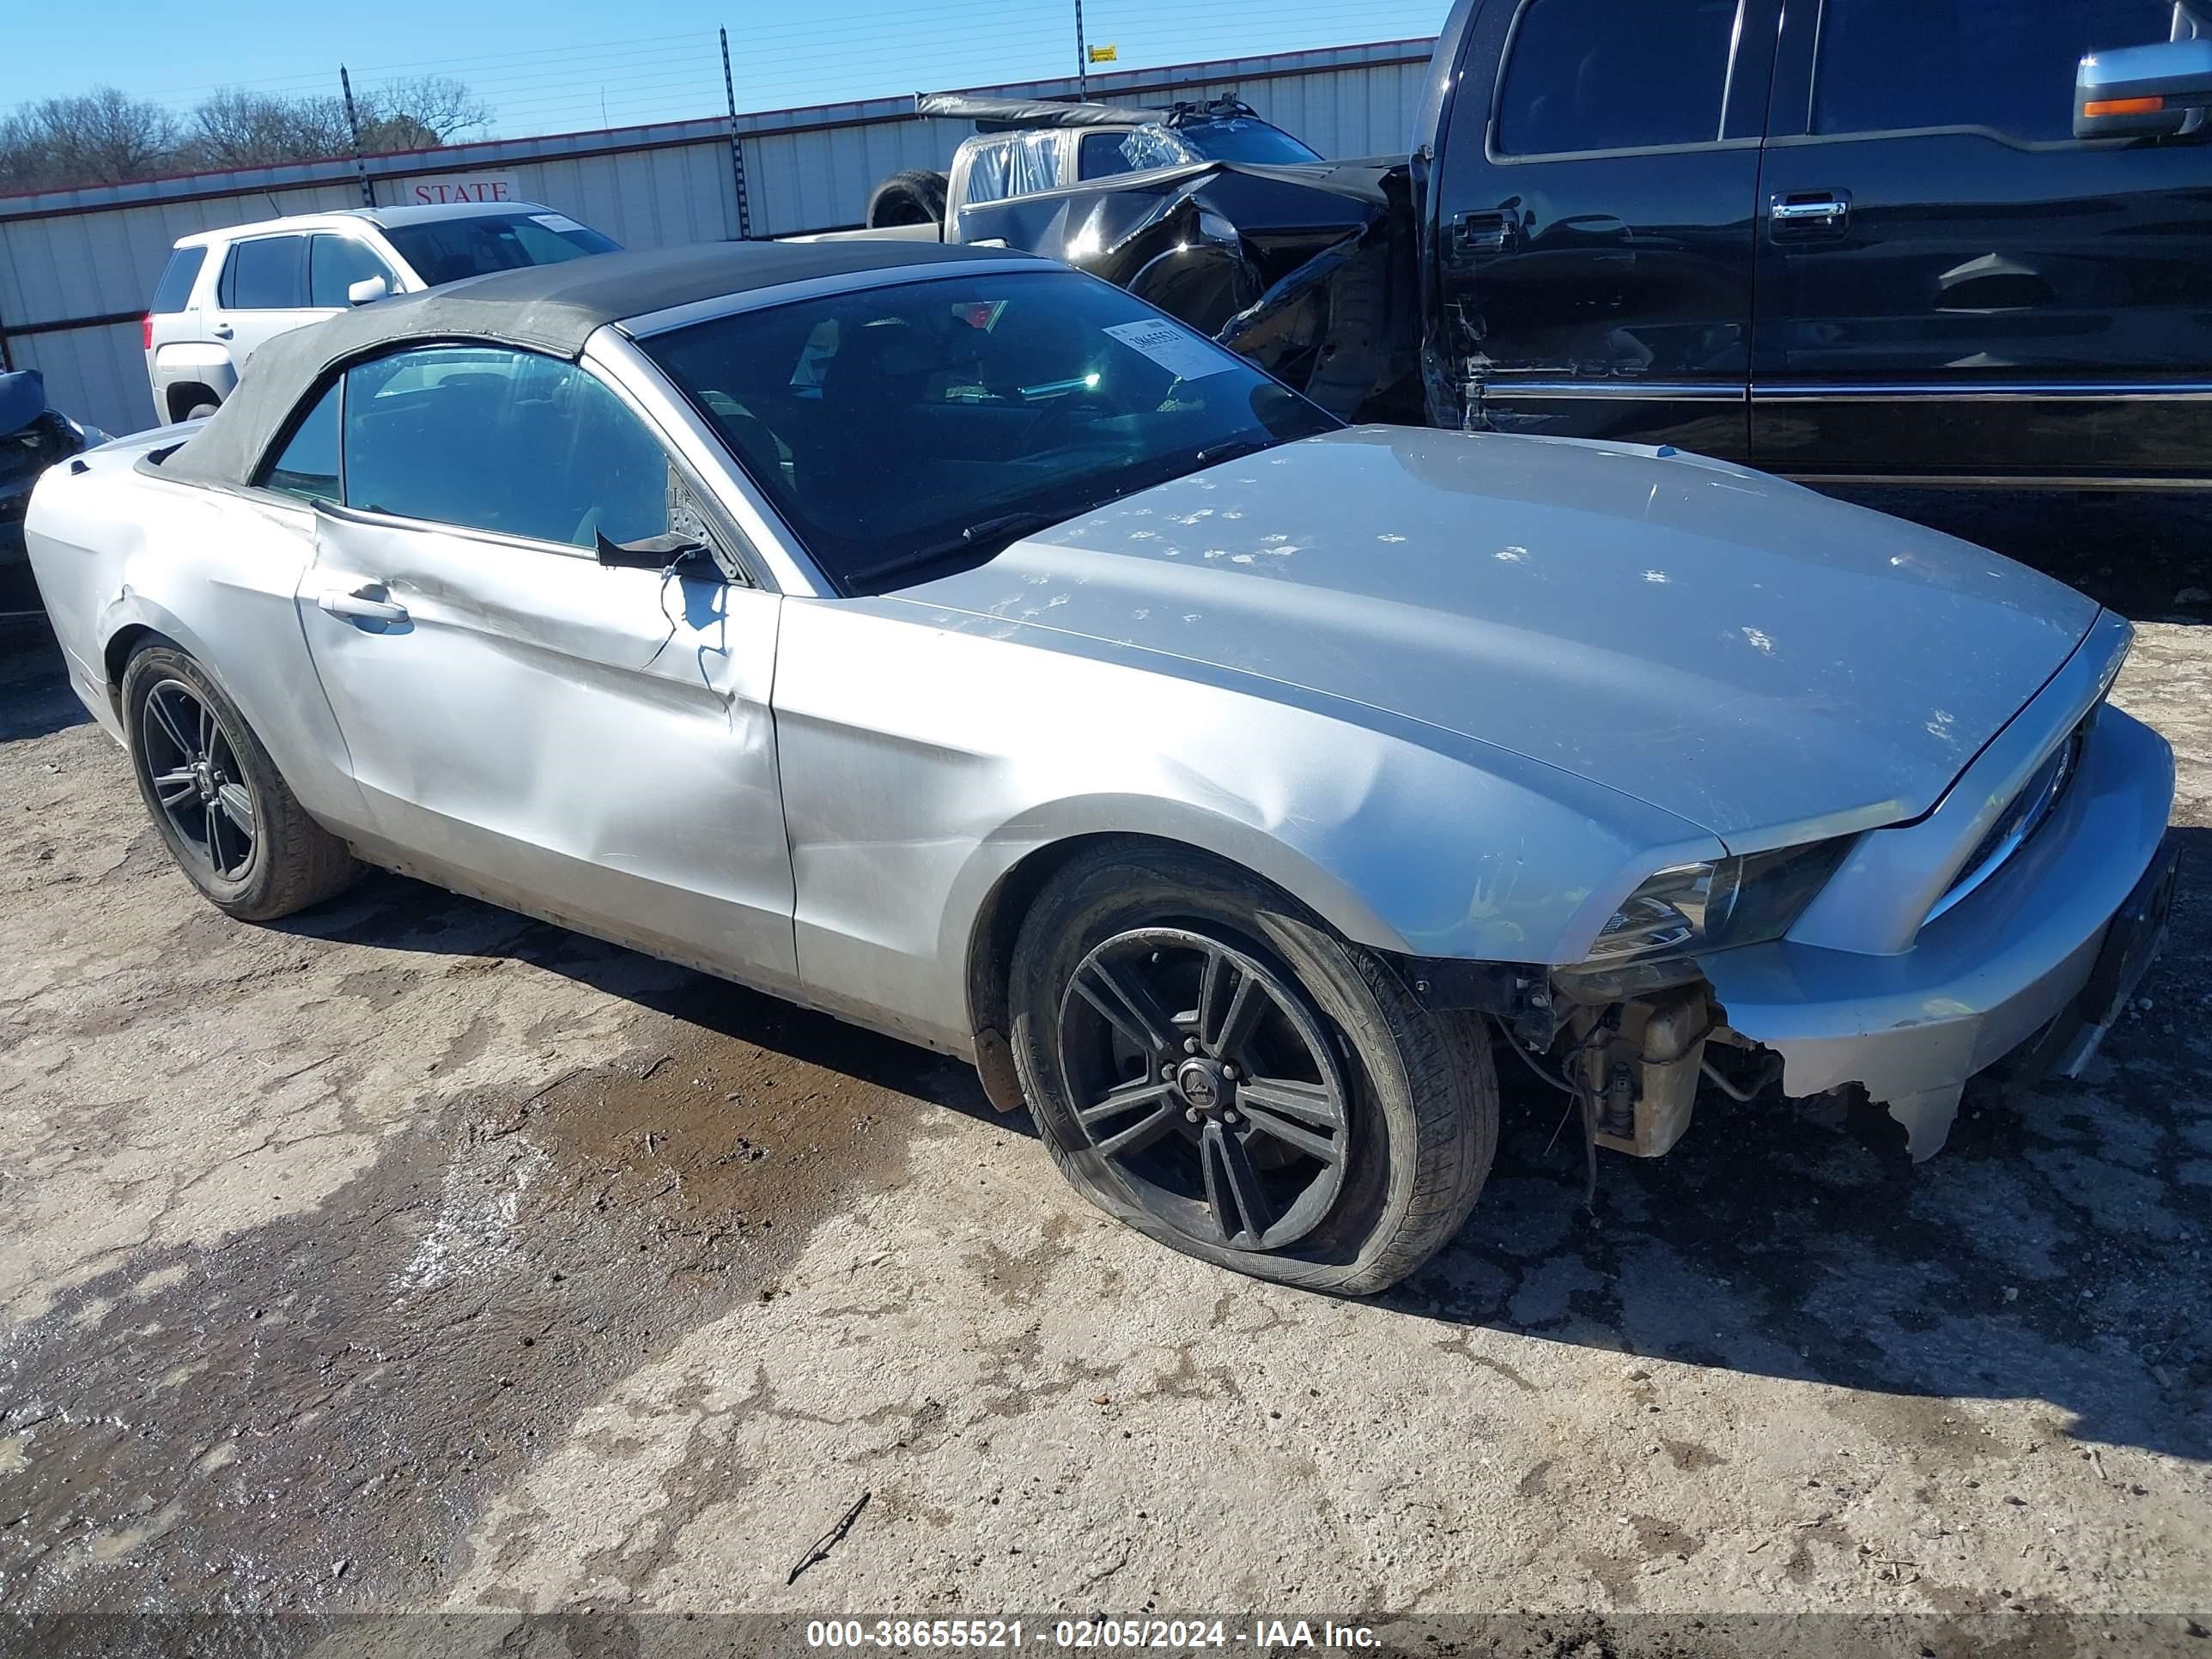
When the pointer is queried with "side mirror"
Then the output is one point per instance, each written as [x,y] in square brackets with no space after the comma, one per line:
[367,290]
[2136,92]
[694,561]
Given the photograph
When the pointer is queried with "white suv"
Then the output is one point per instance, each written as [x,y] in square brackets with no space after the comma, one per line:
[226,291]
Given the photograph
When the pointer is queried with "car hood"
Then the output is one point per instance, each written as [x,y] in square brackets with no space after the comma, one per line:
[1744,653]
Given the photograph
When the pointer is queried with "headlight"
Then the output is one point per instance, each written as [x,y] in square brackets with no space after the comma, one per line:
[1688,908]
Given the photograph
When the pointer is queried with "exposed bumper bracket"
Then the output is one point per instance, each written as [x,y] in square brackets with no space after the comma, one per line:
[1520,994]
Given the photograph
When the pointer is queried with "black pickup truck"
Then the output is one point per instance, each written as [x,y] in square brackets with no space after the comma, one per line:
[1954,241]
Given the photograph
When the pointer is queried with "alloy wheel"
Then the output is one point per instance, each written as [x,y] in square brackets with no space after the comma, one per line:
[194,771]
[1208,1084]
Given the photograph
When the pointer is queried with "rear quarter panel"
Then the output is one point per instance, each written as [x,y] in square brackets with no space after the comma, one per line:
[120,554]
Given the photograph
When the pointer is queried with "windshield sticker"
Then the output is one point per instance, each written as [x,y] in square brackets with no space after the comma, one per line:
[1174,349]
[558,222]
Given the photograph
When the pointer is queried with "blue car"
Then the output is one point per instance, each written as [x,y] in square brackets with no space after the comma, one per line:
[32,438]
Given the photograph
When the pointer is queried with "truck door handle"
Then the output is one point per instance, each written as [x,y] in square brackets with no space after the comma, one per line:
[1485,233]
[364,603]
[1799,215]
[221,331]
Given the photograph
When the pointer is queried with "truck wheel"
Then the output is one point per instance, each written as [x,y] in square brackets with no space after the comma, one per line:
[1215,1066]
[915,196]
[226,815]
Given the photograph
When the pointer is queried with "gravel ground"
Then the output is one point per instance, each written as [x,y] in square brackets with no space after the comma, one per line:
[412,1255]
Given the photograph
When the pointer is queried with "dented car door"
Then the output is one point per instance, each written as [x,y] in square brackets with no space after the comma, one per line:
[575,737]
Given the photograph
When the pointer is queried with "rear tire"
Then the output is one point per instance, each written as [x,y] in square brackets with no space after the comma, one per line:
[218,801]
[915,196]
[1371,1121]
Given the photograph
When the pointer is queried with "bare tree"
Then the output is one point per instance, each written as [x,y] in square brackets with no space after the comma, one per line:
[107,137]
[241,129]
[104,137]
[420,112]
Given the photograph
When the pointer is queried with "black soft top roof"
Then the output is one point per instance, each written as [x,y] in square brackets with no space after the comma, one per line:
[552,308]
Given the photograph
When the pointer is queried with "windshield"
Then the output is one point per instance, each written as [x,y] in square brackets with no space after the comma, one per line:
[446,250]
[1244,139]
[886,422]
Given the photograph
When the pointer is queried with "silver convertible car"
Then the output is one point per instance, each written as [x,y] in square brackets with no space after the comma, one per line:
[947,640]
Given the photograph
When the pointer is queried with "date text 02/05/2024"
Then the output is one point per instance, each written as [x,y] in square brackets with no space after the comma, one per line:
[1110,1634]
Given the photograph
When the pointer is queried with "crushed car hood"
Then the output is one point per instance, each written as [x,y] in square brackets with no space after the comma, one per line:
[1742,653]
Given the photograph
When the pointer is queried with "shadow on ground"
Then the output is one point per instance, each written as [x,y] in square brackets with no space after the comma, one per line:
[394,913]
[2057,1249]
[35,698]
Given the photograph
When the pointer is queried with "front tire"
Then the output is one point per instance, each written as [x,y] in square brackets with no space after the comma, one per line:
[229,819]
[1215,1065]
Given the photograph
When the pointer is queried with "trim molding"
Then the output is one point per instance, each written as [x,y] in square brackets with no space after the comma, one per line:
[1993,391]
[1993,481]
[1863,392]
[1654,390]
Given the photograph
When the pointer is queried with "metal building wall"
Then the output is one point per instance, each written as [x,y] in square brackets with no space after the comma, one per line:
[104,265]
[77,267]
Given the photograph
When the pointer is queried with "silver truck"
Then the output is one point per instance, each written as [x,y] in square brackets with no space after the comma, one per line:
[1027,147]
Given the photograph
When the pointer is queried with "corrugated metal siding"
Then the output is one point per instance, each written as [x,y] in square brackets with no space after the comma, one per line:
[821,179]
[96,374]
[642,198]
[90,264]
[97,252]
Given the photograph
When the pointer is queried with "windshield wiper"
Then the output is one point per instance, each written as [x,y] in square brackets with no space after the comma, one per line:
[987,537]
[1213,454]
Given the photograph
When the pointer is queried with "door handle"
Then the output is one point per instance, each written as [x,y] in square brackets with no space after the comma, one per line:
[363,604]
[1485,233]
[1809,213]
[222,330]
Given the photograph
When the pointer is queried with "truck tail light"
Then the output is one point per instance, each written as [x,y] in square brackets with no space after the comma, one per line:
[148,326]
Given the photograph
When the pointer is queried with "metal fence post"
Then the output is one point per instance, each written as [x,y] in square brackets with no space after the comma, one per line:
[737,146]
[1082,57]
[353,126]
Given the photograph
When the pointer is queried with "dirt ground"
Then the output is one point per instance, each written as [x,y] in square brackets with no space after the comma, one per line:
[410,1255]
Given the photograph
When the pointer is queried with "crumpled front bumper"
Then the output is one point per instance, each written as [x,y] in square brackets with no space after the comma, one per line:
[2008,962]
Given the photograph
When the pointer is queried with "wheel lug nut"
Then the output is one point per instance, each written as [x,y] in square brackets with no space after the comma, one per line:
[1190,1045]
[1228,1117]
[1191,1112]
[1167,1074]
[1231,1073]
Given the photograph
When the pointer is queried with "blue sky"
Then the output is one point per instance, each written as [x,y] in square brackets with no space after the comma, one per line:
[551,65]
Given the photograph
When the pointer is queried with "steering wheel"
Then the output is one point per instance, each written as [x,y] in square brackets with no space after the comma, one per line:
[1059,411]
